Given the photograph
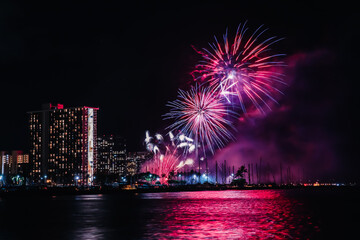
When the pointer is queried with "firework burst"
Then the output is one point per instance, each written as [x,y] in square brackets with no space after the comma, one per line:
[167,156]
[242,70]
[157,144]
[163,164]
[201,115]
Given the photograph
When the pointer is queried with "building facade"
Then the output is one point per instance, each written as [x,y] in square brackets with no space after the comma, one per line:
[135,161]
[14,164]
[63,145]
[4,163]
[111,156]
[22,164]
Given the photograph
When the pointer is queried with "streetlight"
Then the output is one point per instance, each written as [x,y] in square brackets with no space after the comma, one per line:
[45,178]
[76,180]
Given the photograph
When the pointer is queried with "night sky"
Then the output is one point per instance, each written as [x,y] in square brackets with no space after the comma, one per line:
[129,60]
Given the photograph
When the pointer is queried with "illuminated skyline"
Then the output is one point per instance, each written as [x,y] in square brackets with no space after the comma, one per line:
[130,60]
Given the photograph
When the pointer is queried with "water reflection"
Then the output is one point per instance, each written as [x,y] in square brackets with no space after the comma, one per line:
[251,214]
[226,215]
[213,194]
[88,217]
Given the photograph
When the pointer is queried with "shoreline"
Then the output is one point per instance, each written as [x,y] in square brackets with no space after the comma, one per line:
[58,191]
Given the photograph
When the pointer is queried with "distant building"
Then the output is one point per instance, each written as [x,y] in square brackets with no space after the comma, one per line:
[63,144]
[135,160]
[16,163]
[13,165]
[4,163]
[111,156]
[22,164]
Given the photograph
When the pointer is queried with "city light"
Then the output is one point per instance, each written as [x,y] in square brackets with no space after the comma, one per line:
[204,131]
[66,145]
[204,115]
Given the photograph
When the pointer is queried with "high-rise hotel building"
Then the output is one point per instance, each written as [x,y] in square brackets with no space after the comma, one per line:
[63,145]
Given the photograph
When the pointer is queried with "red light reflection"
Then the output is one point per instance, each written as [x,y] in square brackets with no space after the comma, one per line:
[263,214]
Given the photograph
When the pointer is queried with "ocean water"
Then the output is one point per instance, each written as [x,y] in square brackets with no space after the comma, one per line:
[313,213]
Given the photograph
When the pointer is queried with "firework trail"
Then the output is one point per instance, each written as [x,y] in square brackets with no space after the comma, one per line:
[166,156]
[201,115]
[163,164]
[242,71]
[157,145]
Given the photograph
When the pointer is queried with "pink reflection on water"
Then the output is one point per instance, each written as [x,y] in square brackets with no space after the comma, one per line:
[262,214]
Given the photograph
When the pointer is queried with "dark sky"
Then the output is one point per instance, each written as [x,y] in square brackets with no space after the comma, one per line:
[129,60]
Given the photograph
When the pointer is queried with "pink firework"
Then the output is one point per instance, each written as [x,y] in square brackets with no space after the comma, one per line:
[166,155]
[242,72]
[163,164]
[200,114]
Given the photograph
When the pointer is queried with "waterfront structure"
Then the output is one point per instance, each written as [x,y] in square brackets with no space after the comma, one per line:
[63,145]
[111,160]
